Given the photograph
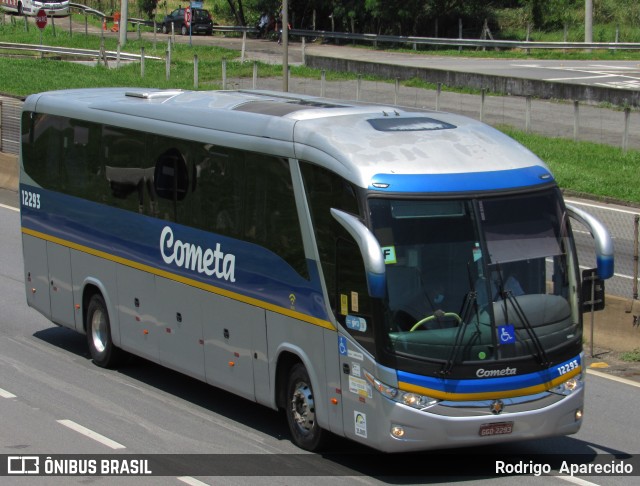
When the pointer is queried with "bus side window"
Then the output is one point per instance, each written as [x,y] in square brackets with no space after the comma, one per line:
[354,303]
[171,178]
[271,215]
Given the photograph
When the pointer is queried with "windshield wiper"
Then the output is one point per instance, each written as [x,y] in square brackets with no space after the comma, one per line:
[507,296]
[470,303]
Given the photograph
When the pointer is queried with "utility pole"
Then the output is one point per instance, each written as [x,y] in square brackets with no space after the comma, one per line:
[588,20]
[124,20]
[285,46]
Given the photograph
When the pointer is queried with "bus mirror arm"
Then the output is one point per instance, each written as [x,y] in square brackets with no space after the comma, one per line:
[369,249]
[602,239]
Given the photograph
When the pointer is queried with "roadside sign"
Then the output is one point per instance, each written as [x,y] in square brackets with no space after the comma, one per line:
[41,19]
[187,16]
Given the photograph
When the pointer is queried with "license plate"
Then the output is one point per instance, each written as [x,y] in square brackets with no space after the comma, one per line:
[499,428]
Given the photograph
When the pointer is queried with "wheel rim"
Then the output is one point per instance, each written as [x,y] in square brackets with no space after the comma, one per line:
[303,408]
[99,331]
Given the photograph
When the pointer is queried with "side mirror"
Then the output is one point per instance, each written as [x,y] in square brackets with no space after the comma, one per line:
[602,239]
[369,249]
[592,291]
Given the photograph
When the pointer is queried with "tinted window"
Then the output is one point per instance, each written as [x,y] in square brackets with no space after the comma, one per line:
[340,257]
[232,192]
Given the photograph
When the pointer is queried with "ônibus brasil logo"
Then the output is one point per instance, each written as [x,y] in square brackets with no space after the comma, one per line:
[192,257]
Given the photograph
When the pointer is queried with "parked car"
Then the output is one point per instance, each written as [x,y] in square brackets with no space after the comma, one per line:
[201,22]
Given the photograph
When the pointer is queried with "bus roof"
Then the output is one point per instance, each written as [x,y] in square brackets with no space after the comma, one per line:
[368,144]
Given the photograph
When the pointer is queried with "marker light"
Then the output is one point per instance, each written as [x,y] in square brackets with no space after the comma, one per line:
[579,414]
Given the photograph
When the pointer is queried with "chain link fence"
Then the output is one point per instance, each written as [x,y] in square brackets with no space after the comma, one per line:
[10,125]
[564,119]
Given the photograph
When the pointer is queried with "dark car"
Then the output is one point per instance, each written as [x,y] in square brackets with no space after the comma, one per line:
[201,22]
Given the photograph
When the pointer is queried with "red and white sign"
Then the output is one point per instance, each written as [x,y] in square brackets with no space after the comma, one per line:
[41,19]
[187,15]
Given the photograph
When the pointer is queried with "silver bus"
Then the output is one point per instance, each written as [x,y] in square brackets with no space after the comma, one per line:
[405,279]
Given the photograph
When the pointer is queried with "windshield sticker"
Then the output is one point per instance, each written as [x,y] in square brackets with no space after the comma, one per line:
[355,306]
[477,252]
[389,253]
[360,420]
[356,323]
[360,387]
[344,304]
[507,334]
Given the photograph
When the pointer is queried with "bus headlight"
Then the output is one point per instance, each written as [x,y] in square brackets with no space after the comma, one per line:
[569,386]
[414,400]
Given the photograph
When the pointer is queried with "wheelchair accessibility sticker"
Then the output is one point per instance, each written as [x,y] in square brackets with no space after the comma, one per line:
[342,345]
[506,334]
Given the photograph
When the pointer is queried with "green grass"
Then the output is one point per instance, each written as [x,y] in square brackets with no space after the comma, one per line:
[631,356]
[582,167]
[587,167]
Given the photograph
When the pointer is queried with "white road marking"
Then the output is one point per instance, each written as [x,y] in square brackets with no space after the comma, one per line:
[191,481]
[580,78]
[575,480]
[91,434]
[9,207]
[614,378]
[6,394]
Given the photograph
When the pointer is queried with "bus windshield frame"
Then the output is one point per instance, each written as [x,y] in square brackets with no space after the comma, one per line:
[487,279]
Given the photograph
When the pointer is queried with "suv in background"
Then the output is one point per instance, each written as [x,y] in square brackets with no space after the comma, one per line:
[201,22]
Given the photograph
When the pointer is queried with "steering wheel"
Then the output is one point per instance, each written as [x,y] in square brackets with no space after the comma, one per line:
[437,315]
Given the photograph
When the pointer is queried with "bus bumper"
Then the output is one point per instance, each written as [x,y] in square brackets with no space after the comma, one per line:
[422,430]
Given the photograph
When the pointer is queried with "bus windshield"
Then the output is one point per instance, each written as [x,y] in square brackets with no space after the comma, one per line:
[472,280]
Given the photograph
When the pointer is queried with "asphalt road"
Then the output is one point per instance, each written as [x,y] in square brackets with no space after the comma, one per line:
[53,400]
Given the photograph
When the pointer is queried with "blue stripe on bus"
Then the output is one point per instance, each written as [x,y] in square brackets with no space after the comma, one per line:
[462,182]
[259,273]
[491,385]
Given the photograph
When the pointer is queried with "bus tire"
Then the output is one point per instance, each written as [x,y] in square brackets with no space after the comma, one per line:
[300,410]
[98,326]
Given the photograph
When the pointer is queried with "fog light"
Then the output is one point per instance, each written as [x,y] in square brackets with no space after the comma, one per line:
[578,415]
[397,431]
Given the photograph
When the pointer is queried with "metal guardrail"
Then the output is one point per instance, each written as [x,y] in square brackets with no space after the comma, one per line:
[68,51]
[102,15]
[437,41]
[235,28]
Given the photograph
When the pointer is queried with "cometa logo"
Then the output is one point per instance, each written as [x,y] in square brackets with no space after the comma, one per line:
[482,373]
[194,258]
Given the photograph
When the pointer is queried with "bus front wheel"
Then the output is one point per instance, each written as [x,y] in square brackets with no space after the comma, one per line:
[301,411]
[103,352]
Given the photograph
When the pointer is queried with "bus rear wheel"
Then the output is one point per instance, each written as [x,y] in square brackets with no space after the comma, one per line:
[103,352]
[301,411]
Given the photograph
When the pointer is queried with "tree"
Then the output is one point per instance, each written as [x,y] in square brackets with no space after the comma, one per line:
[237,11]
[149,7]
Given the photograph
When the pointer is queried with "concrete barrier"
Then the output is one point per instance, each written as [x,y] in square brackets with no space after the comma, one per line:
[9,173]
[495,84]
